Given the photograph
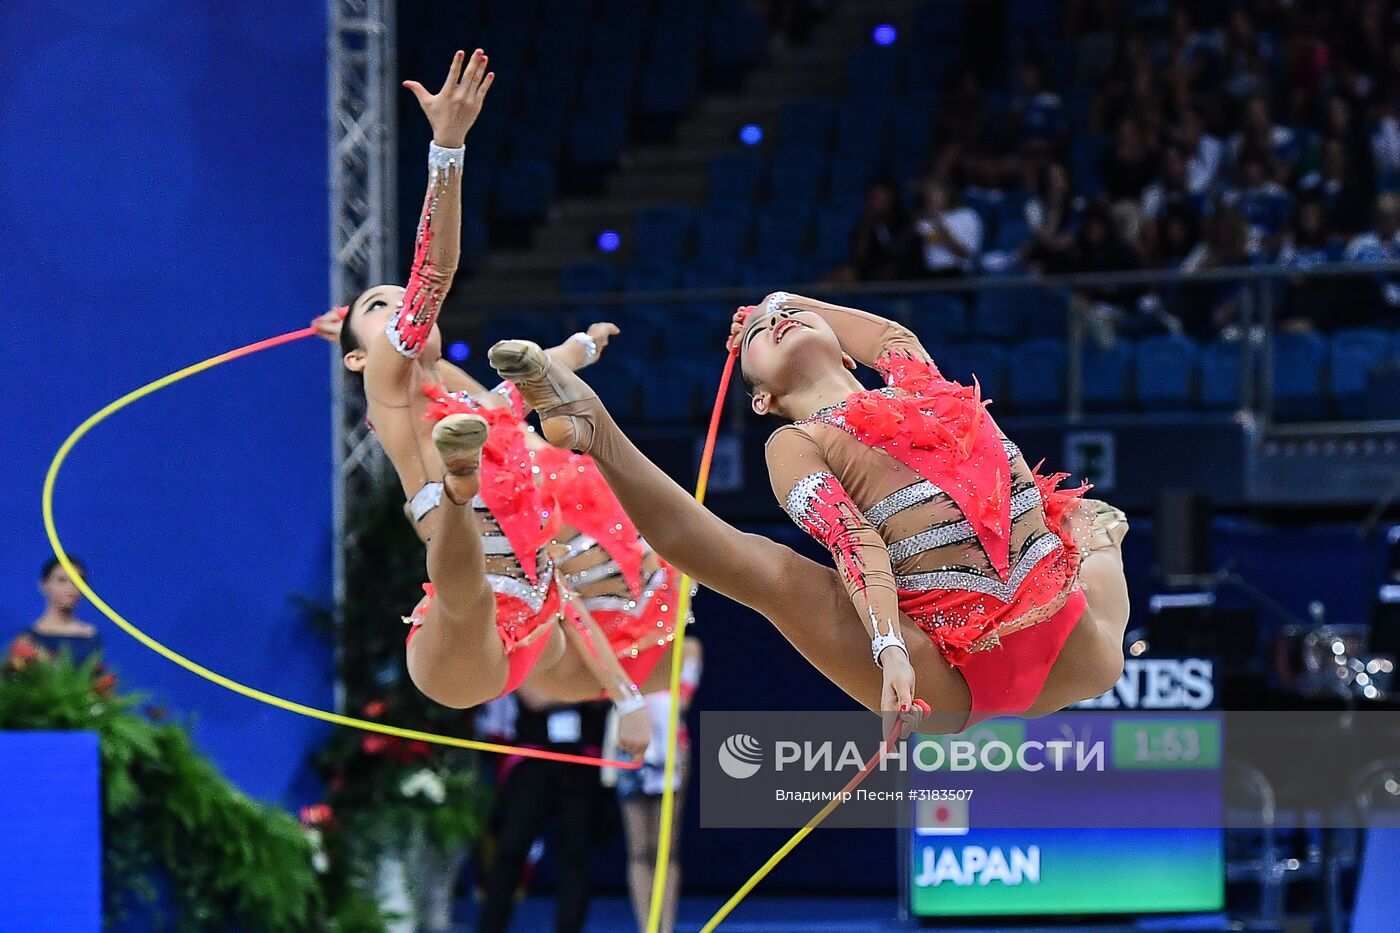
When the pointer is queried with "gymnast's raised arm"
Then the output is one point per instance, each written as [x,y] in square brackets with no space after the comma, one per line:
[451,111]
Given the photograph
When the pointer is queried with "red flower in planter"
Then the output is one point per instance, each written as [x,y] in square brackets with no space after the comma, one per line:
[373,744]
[104,685]
[317,814]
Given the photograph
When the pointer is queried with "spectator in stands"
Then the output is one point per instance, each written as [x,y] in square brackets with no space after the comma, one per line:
[1266,206]
[1247,57]
[1346,199]
[57,629]
[1381,244]
[1039,113]
[1129,167]
[1213,307]
[1203,152]
[1101,247]
[1172,188]
[1259,137]
[1178,232]
[882,244]
[951,232]
[1309,244]
[1382,241]
[1052,216]
[1385,144]
[1091,25]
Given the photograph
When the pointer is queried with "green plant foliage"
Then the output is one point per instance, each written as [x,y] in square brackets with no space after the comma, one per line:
[226,860]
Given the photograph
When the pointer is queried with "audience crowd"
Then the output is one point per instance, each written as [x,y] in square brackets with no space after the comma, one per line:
[1190,136]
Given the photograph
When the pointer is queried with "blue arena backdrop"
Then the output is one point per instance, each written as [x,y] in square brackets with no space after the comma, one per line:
[163,200]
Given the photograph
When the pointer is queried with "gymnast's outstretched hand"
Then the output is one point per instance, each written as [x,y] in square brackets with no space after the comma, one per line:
[452,110]
[328,325]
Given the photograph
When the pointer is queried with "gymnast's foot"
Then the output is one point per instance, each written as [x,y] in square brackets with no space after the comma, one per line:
[459,439]
[568,408]
[1110,524]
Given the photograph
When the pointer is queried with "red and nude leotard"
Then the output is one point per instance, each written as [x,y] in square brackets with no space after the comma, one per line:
[509,509]
[515,528]
[921,498]
[624,585]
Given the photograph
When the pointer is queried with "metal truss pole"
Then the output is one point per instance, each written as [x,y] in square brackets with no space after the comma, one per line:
[363,215]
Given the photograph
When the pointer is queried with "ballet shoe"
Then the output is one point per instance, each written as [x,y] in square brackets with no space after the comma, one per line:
[1110,523]
[566,405]
[459,439]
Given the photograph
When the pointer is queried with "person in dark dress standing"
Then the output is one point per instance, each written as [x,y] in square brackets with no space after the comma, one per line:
[58,628]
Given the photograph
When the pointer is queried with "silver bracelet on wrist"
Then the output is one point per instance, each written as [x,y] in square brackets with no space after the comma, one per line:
[590,347]
[882,640]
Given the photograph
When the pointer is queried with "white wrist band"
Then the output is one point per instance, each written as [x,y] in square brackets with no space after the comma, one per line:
[590,347]
[631,704]
[883,640]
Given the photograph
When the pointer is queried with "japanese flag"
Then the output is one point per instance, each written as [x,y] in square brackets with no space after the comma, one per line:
[941,818]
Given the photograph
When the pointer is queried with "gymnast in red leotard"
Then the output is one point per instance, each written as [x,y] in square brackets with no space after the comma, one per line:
[614,574]
[972,582]
[490,615]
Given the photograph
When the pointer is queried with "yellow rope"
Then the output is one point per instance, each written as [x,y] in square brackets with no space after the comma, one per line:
[198,669]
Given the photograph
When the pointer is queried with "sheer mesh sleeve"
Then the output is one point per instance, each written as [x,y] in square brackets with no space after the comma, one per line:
[815,499]
[437,250]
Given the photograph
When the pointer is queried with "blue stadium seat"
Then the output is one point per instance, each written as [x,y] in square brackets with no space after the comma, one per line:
[924,75]
[862,129]
[1166,372]
[939,21]
[806,126]
[656,275]
[798,179]
[1299,363]
[1220,375]
[833,239]
[999,314]
[912,135]
[781,230]
[1354,358]
[1107,375]
[587,277]
[722,232]
[475,238]
[618,379]
[872,73]
[850,176]
[668,87]
[775,273]
[519,325]
[737,38]
[937,317]
[524,190]
[608,84]
[711,273]
[541,136]
[662,232]
[985,361]
[1046,314]
[735,177]
[1037,376]
[596,137]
